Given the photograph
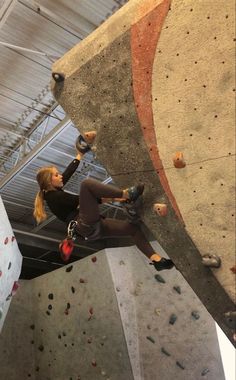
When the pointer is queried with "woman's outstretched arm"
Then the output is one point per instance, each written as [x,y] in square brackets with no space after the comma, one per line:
[71,168]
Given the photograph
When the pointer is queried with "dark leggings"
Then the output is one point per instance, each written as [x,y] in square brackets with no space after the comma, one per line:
[90,192]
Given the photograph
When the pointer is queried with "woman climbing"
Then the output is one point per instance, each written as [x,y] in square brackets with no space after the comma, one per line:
[84,208]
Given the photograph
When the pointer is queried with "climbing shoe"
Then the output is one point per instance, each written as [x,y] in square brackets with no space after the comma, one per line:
[134,192]
[58,77]
[163,264]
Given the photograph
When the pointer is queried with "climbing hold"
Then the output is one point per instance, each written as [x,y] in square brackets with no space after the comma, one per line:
[151,339]
[157,312]
[6,241]
[0,273]
[9,265]
[94,259]
[233,269]
[160,209]
[212,261]
[89,340]
[180,365]
[94,363]
[69,269]
[15,287]
[58,77]
[205,371]
[177,289]
[32,327]
[49,307]
[122,262]
[173,319]
[230,318]
[41,348]
[165,352]
[117,289]
[90,136]
[13,238]
[159,278]
[81,280]
[73,289]
[195,315]
[50,296]
[48,312]
[178,160]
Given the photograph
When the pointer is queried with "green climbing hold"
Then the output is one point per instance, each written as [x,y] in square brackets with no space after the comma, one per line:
[173,319]
[151,339]
[160,279]
[165,352]
[177,289]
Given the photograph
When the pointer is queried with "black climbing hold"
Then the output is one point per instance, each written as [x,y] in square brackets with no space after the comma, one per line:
[41,348]
[9,265]
[165,352]
[58,77]
[50,296]
[195,315]
[68,305]
[49,307]
[151,339]
[63,333]
[59,336]
[32,327]
[159,278]
[73,289]
[69,269]
[205,371]
[177,289]
[173,319]
[48,312]
[180,365]
[39,294]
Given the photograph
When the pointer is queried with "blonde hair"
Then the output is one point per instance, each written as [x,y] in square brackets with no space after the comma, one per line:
[44,177]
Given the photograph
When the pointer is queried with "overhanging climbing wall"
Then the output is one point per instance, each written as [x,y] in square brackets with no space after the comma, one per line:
[108,319]
[153,82]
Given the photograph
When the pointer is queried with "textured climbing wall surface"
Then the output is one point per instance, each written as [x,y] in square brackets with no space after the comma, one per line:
[193,93]
[78,329]
[10,264]
[166,340]
[109,319]
[148,102]
[17,341]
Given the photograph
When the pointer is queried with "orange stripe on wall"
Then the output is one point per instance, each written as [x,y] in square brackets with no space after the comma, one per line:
[144,37]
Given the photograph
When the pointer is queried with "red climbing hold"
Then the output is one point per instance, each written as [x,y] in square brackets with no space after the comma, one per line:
[6,240]
[13,238]
[94,259]
[233,269]
[15,287]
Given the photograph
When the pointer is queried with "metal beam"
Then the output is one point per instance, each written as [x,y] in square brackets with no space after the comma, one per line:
[5,11]
[44,242]
[35,151]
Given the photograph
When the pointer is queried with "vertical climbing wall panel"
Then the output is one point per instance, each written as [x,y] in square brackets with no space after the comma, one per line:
[156,82]
[10,264]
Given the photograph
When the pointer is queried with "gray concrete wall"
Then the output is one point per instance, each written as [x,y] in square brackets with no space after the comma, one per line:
[127,82]
[109,319]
